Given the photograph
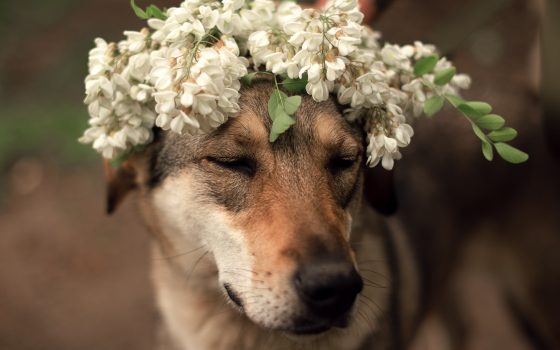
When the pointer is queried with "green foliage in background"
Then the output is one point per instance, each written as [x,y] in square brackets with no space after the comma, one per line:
[50,132]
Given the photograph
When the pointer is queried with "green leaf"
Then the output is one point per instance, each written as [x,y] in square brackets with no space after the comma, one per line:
[481,107]
[282,122]
[274,103]
[433,105]
[479,133]
[155,12]
[445,76]
[491,122]
[247,79]
[469,111]
[454,100]
[138,11]
[503,135]
[487,151]
[425,65]
[511,154]
[296,86]
[291,104]
[281,108]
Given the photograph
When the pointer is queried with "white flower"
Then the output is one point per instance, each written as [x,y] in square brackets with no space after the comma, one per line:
[233,5]
[313,72]
[183,73]
[311,41]
[183,122]
[403,134]
[423,50]
[382,148]
[96,86]
[335,68]
[258,39]
[135,43]
[141,92]
[101,57]
[396,56]
[165,101]
[318,90]
[208,17]
[139,66]
[345,5]
[417,95]
[461,81]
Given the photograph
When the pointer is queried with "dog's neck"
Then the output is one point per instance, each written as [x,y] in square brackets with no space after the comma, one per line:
[197,316]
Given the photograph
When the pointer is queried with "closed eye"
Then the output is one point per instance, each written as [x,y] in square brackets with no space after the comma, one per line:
[245,166]
[339,164]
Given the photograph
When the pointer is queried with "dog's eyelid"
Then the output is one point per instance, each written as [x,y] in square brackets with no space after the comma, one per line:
[243,164]
[226,159]
[347,149]
[339,163]
[346,155]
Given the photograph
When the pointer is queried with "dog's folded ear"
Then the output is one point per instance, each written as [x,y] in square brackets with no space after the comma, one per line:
[379,190]
[120,181]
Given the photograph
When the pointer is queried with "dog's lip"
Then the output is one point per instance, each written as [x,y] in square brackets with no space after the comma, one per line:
[233,295]
[314,327]
[310,329]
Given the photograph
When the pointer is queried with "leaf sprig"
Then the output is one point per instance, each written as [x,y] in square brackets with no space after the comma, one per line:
[151,11]
[281,107]
[478,113]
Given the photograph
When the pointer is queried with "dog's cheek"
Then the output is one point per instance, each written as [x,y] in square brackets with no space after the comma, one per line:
[189,220]
[227,190]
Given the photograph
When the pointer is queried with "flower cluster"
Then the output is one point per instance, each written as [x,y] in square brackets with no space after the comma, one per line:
[183,72]
[340,55]
[119,101]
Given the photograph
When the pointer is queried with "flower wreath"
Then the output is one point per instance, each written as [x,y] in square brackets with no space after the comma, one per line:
[184,73]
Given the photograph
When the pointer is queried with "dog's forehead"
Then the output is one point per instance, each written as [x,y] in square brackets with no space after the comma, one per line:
[316,123]
[320,130]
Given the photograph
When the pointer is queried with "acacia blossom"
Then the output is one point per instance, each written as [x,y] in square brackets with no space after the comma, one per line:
[183,73]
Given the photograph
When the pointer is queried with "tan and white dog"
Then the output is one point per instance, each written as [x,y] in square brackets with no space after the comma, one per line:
[264,245]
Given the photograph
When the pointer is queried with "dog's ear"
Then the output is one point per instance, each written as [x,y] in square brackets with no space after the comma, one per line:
[379,190]
[120,181]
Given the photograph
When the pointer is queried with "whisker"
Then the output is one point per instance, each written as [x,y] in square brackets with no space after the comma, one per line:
[376,273]
[180,254]
[371,283]
[195,265]
[371,300]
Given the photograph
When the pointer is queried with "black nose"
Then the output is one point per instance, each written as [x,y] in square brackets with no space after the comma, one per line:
[328,287]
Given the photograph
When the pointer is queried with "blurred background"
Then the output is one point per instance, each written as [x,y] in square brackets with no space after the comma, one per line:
[486,235]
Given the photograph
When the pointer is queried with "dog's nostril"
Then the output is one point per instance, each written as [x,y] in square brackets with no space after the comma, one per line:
[322,294]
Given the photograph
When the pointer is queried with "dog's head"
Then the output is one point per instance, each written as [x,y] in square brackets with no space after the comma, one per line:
[276,217]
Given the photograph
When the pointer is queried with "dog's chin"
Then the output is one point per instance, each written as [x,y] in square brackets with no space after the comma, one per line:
[302,328]
[307,327]
[310,330]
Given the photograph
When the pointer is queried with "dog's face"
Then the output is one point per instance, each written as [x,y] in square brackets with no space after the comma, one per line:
[276,217]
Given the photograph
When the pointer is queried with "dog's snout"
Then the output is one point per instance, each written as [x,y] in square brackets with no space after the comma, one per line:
[328,288]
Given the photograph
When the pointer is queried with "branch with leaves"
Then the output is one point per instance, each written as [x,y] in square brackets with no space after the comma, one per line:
[151,11]
[479,114]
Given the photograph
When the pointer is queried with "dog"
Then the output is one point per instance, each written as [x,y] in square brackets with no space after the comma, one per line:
[261,245]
